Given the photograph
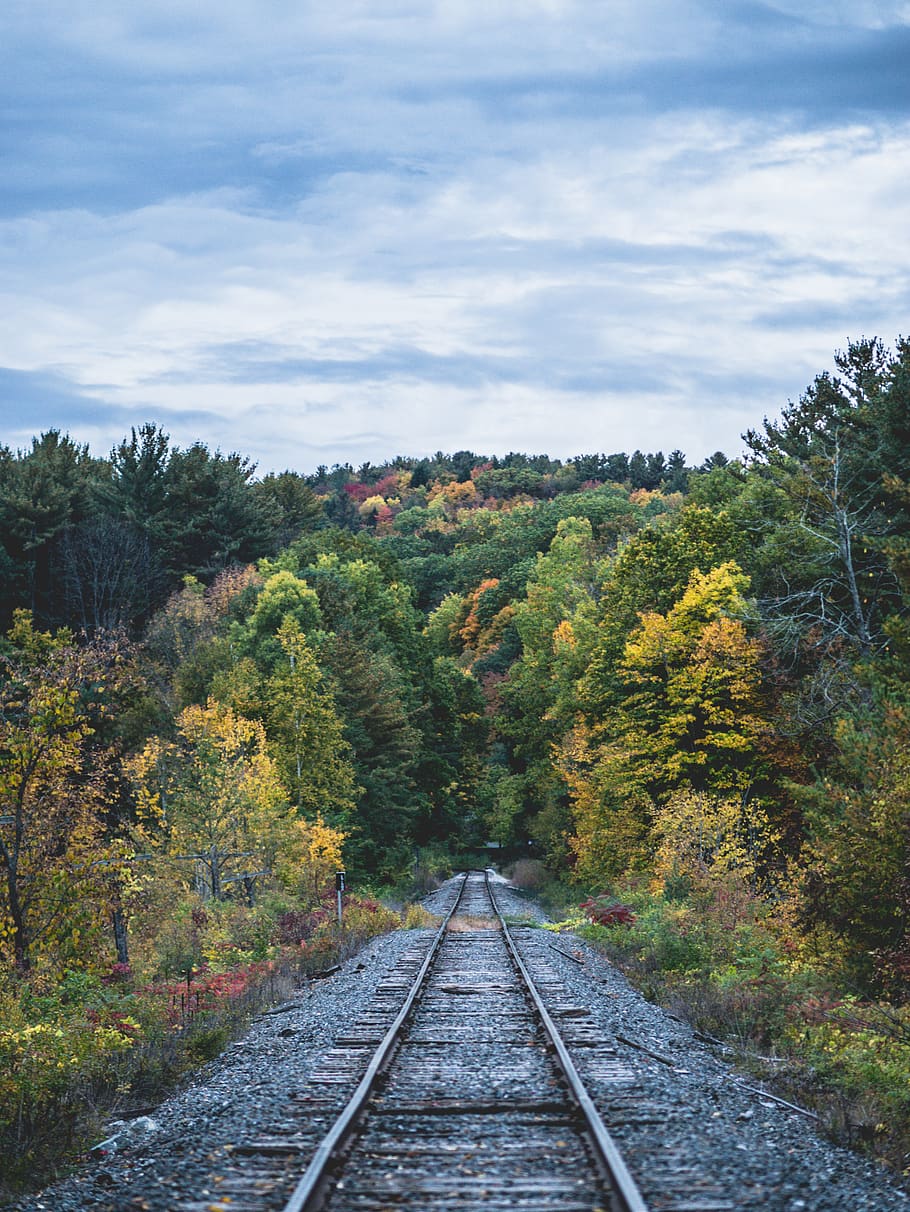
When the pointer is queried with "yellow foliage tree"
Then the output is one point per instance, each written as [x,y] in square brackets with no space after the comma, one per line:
[214,796]
[55,861]
[689,718]
[703,837]
[693,710]
[611,809]
[310,857]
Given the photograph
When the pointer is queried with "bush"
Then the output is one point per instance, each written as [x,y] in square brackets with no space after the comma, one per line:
[415,917]
[713,958]
[298,926]
[605,911]
[49,1074]
[73,1049]
[529,874]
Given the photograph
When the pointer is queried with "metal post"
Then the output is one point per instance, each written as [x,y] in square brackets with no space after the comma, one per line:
[339,888]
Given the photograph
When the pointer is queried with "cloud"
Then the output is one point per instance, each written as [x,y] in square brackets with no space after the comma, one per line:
[403,227]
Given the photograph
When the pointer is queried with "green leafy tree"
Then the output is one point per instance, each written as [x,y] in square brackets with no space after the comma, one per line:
[829,453]
[43,491]
[538,698]
[372,695]
[213,518]
[853,875]
[290,503]
[306,732]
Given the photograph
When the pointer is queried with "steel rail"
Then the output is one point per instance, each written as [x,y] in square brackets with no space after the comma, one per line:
[308,1190]
[624,1190]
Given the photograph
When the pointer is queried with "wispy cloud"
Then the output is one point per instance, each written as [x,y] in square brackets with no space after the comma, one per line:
[404,227]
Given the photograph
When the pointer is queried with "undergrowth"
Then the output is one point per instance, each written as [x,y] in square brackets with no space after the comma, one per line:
[719,958]
[100,1044]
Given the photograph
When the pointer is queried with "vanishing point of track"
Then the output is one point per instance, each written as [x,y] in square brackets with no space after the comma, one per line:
[471,1098]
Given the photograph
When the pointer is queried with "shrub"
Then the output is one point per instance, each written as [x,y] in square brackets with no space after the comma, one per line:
[605,911]
[528,873]
[364,917]
[415,917]
[298,926]
[49,1072]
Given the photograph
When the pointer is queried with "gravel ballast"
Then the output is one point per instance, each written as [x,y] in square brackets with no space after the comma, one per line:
[753,1153]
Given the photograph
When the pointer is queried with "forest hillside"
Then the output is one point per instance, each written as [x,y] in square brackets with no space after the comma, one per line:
[679,691]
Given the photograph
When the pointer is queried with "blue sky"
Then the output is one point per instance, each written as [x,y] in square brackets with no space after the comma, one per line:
[317,233]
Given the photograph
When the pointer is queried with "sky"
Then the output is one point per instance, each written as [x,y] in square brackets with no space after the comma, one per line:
[323,233]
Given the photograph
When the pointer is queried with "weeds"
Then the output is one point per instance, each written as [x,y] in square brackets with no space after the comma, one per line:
[465,923]
[415,917]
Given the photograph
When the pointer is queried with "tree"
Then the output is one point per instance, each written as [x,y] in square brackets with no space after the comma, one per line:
[538,694]
[638,470]
[703,838]
[311,854]
[306,732]
[290,503]
[827,451]
[109,574]
[853,874]
[611,811]
[42,492]
[676,476]
[689,714]
[283,596]
[137,490]
[213,519]
[649,573]
[372,695]
[54,790]
[214,796]
[693,712]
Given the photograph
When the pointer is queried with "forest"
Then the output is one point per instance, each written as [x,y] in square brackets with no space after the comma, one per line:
[676,696]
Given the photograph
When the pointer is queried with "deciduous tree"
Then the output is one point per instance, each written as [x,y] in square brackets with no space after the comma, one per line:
[54,791]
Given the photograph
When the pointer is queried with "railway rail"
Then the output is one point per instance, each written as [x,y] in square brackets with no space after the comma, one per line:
[466,1094]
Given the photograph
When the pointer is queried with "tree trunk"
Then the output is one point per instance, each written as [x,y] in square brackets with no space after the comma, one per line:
[20,937]
[846,551]
[120,939]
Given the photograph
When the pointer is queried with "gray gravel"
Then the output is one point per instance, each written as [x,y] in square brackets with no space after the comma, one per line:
[753,1154]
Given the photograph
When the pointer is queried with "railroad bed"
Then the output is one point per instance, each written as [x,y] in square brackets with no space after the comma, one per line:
[466,1103]
[695,1135]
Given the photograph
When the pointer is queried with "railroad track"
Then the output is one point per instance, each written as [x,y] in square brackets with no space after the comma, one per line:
[466,1095]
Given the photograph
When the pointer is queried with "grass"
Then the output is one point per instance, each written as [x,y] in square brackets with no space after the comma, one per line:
[467,923]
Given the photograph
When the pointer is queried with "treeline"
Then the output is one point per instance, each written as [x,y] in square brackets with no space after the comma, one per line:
[629,663]
[100,544]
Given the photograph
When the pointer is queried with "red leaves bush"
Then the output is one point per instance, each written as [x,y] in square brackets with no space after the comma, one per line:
[605,911]
[298,926]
